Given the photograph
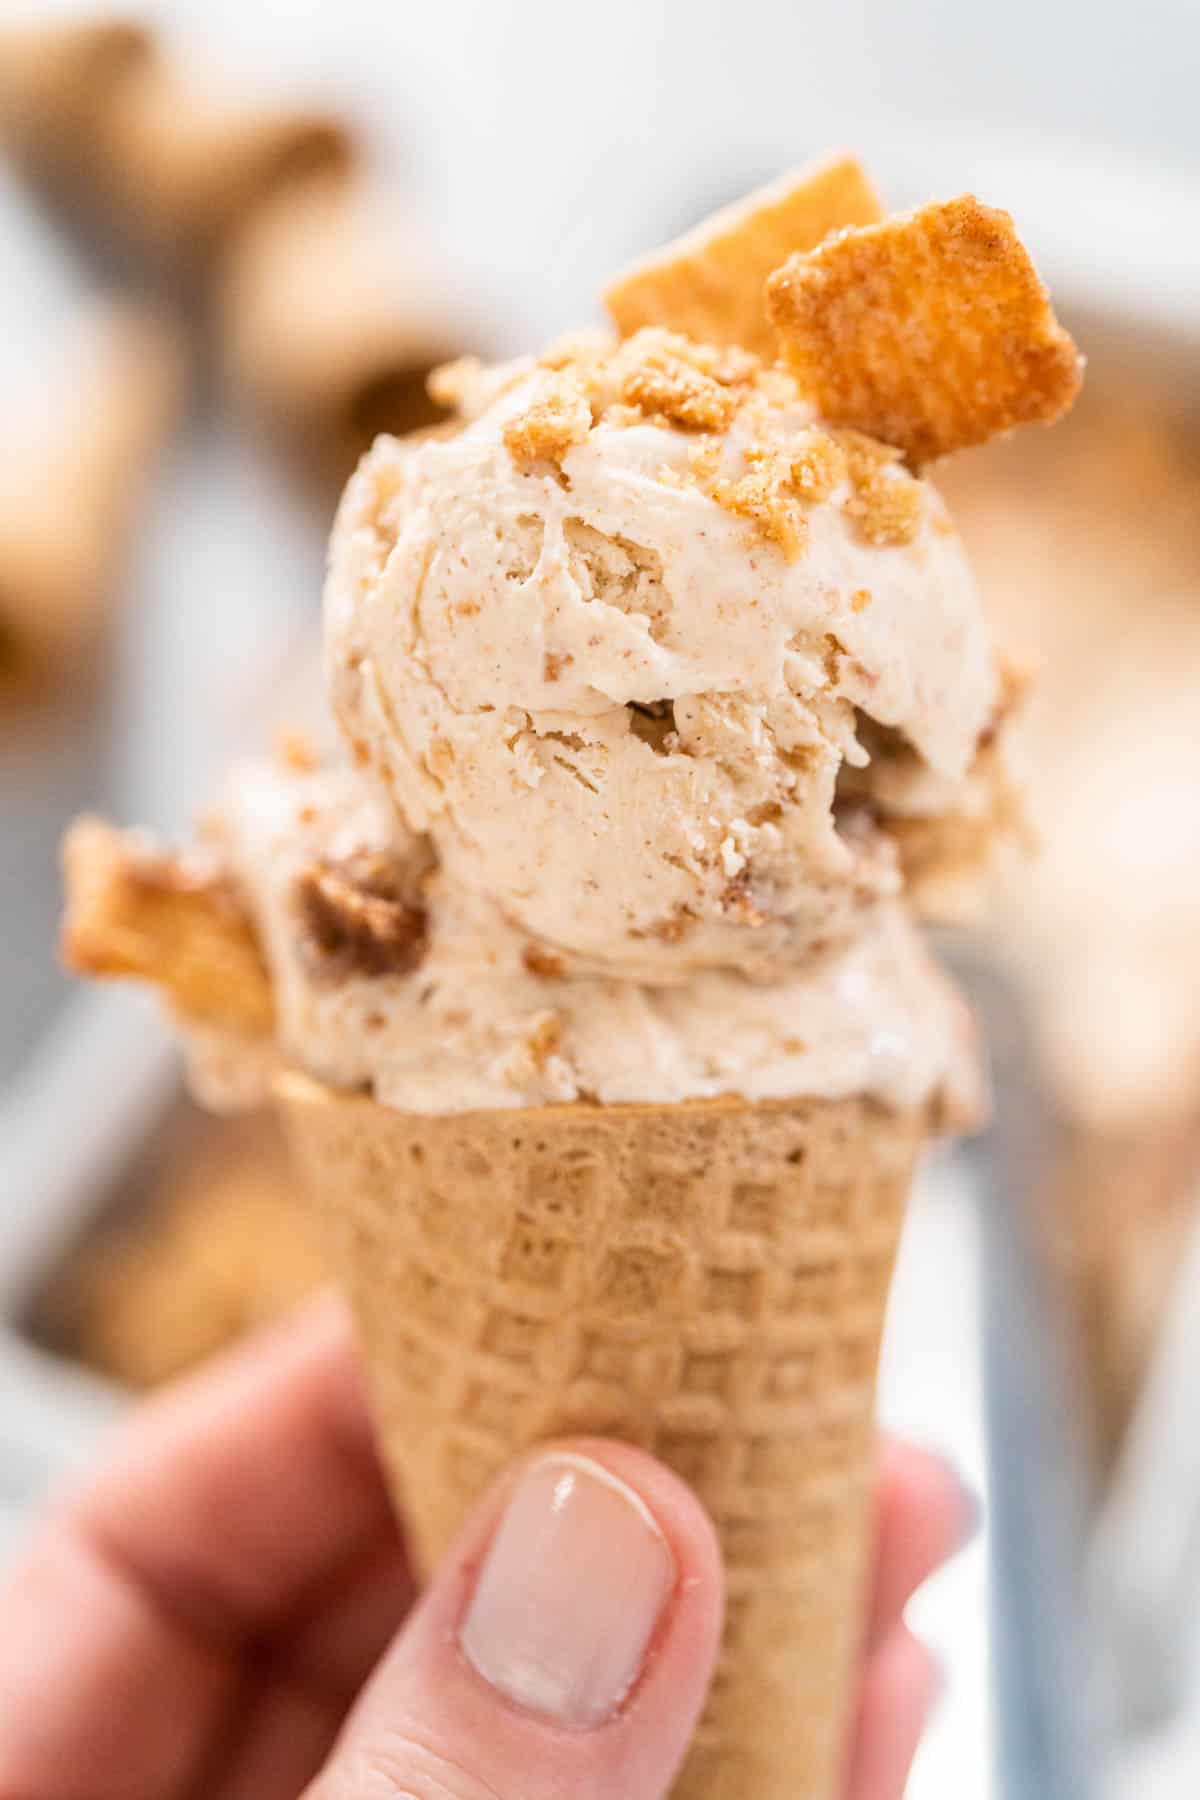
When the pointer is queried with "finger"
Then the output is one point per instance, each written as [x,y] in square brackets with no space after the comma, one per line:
[226,1508]
[101,1698]
[290,1737]
[564,1648]
[925,1515]
[299,1685]
[899,1689]
[234,1494]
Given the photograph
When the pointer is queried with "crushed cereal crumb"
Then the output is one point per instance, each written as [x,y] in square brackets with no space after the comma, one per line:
[557,418]
[357,919]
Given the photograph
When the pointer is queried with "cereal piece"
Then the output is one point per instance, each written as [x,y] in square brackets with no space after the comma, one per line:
[764,496]
[783,476]
[174,921]
[931,331]
[667,377]
[709,284]
[887,501]
[557,417]
[816,464]
[357,919]
[584,350]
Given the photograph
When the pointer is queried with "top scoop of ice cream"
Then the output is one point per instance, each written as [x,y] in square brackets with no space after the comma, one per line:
[612,642]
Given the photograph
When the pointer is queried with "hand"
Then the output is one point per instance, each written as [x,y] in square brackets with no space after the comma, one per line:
[199,1620]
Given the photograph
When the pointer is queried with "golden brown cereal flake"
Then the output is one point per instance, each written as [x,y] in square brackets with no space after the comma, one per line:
[585,352]
[784,475]
[765,497]
[886,502]
[557,417]
[709,284]
[178,922]
[816,464]
[689,385]
[931,330]
[358,919]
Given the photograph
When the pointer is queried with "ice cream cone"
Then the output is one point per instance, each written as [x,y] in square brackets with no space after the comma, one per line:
[68,495]
[57,80]
[329,326]
[707,1280]
[104,118]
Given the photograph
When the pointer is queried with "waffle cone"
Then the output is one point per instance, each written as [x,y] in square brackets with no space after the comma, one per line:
[707,1280]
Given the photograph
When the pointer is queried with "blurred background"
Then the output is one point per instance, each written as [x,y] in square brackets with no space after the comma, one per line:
[202,323]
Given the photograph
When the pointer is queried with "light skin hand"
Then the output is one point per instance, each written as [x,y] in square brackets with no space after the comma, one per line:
[225,1611]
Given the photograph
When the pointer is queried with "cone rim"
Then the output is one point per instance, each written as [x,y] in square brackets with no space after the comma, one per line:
[296,1087]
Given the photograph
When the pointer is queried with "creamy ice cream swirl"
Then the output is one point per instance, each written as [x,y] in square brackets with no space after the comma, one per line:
[612,666]
[616,685]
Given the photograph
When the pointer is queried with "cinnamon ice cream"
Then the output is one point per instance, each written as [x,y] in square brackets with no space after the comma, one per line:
[637,669]
[665,701]
[615,669]
[387,976]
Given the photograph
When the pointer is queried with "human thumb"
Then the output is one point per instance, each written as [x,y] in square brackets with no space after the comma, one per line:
[563,1649]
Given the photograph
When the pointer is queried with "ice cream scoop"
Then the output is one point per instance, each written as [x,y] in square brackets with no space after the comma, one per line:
[610,645]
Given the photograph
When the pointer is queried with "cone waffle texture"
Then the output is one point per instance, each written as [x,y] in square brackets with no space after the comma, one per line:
[707,1280]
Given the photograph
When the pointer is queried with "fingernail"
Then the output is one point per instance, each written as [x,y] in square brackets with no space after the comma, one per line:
[567,1601]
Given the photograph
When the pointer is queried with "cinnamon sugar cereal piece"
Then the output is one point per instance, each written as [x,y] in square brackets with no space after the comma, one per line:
[709,283]
[886,501]
[816,464]
[695,386]
[765,497]
[931,330]
[584,350]
[357,918]
[557,417]
[173,921]
[783,476]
